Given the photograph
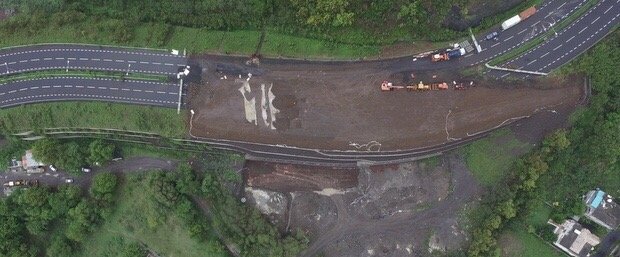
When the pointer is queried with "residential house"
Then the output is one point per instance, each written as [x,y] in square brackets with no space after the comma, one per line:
[602,209]
[574,239]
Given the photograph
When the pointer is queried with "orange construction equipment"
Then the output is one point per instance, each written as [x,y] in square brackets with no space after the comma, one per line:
[388,86]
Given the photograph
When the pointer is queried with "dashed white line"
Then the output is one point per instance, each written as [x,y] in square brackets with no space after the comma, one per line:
[83,59]
[120,60]
[529,63]
[582,30]
[595,20]
[495,44]
[544,55]
[556,48]
[608,9]
[508,38]
[107,60]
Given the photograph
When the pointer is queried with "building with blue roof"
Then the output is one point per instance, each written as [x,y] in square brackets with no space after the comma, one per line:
[602,209]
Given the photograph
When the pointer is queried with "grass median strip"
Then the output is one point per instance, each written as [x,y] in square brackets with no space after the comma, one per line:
[81,73]
[543,37]
[162,121]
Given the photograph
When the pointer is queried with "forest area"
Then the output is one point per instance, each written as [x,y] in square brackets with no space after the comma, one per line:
[188,211]
[567,165]
[360,24]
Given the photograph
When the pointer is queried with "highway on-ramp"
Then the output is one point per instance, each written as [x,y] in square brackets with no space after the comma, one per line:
[91,89]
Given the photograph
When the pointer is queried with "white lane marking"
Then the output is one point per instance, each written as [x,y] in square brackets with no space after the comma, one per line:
[169,64]
[12,91]
[34,60]
[144,62]
[137,90]
[107,60]
[45,87]
[91,87]
[544,55]
[556,48]
[582,30]
[535,24]
[47,59]
[60,58]
[23,89]
[95,59]
[120,60]
[508,38]
[148,91]
[131,61]
[529,63]
[56,86]
[595,20]
[157,63]
[608,9]
[114,88]
[125,89]
[79,86]
[83,59]
[521,31]
[495,45]
[161,92]
[102,87]
[570,39]
[22,61]
[34,87]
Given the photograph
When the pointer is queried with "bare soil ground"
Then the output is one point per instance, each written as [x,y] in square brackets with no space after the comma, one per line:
[339,106]
[397,210]
[289,178]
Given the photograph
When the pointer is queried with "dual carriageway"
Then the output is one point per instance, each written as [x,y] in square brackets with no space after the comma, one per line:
[554,52]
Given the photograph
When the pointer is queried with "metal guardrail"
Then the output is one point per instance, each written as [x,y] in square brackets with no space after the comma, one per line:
[515,70]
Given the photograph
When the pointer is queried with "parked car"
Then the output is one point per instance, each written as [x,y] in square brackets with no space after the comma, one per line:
[492,35]
[68,180]
[86,170]
[53,168]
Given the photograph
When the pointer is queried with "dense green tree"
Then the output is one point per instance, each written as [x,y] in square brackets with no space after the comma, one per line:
[81,221]
[67,197]
[59,246]
[47,150]
[100,151]
[103,186]
[133,249]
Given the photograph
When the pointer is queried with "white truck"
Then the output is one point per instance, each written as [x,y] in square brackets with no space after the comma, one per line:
[514,20]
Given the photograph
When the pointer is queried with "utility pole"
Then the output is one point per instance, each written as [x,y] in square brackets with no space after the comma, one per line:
[7,67]
[67,66]
[128,67]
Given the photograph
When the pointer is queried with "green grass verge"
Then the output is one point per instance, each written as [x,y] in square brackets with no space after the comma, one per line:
[539,215]
[195,40]
[163,121]
[489,159]
[80,73]
[543,37]
[517,242]
[136,219]
[128,150]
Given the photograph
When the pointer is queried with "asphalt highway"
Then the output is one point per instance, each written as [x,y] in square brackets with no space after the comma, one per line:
[571,41]
[94,89]
[88,57]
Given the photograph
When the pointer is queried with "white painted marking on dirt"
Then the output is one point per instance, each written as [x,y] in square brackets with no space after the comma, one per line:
[263,105]
[249,105]
[272,110]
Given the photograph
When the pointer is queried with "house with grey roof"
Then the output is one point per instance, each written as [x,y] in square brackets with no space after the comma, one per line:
[602,209]
[574,239]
